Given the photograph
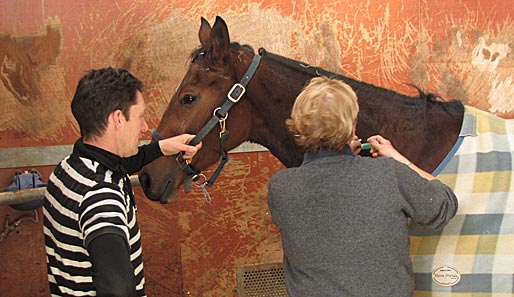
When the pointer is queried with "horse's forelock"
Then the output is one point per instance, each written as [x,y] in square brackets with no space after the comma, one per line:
[245,47]
[204,51]
[200,52]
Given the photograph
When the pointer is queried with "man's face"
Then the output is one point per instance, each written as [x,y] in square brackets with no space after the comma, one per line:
[132,129]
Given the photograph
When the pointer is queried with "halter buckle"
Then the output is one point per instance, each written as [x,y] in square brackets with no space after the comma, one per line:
[181,161]
[236,92]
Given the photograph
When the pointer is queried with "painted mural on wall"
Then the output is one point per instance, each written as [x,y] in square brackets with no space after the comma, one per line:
[456,50]
[32,85]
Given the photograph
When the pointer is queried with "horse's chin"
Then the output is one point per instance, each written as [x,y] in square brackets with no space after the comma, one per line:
[170,194]
[167,195]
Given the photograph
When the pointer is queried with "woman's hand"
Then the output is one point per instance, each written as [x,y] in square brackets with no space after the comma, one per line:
[355,145]
[382,147]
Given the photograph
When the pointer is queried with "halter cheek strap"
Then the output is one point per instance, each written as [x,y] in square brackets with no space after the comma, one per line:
[219,116]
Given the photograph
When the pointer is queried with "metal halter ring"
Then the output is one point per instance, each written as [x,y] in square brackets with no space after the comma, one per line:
[216,115]
[196,178]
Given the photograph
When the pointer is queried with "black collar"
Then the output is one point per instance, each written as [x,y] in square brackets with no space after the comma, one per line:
[311,156]
[108,159]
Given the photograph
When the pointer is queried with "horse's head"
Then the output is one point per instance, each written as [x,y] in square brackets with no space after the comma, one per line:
[214,69]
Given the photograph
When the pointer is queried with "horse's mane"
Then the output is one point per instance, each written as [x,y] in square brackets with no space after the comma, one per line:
[452,107]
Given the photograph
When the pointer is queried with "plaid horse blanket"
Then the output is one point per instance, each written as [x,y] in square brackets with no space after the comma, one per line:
[474,254]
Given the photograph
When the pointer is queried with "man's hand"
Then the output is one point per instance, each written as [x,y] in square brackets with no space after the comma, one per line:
[173,145]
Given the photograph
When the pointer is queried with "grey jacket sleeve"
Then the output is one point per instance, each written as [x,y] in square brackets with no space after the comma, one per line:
[429,203]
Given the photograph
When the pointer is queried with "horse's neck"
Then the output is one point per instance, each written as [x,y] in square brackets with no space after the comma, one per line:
[272,94]
[273,91]
[420,130]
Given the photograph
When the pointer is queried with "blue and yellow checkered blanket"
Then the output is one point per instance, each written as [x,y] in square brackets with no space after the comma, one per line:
[474,254]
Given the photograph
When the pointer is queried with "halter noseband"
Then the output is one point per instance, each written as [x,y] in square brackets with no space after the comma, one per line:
[220,114]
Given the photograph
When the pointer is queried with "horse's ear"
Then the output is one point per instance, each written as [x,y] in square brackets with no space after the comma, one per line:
[205,32]
[220,40]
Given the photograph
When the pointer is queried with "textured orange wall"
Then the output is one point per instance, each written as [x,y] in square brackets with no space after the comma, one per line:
[456,49]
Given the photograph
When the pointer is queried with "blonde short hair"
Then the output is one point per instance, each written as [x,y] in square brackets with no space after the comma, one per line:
[324,115]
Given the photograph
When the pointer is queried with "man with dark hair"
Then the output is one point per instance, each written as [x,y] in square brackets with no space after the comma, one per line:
[92,239]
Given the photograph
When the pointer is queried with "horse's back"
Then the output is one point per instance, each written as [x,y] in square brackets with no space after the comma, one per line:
[474,253]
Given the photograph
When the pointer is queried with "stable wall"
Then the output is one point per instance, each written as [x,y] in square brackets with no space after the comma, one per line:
[456,49]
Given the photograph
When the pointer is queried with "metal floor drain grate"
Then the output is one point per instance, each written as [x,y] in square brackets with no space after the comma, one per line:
[265,280]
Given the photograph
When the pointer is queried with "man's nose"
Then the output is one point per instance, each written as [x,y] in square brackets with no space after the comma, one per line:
[144,126]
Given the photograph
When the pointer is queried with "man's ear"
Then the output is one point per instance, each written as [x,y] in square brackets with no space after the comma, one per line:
[116,118]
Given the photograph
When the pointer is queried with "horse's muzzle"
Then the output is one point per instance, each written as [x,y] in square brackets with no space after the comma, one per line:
[164,191]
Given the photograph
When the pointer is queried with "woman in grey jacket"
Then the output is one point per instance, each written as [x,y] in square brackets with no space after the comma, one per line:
[343,218]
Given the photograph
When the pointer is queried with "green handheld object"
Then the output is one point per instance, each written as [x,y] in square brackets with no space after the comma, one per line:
[366,146]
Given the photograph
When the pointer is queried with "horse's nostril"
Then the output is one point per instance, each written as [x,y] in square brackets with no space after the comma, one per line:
[144,180]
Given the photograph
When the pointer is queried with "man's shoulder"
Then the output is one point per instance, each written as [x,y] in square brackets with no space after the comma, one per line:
[84,173]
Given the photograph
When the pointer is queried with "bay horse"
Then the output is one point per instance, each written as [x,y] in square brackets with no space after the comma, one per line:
[423,129]
[472,255]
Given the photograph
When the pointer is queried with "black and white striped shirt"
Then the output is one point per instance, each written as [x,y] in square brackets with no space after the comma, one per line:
[87,195]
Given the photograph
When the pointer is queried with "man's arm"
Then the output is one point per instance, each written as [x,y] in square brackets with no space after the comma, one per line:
[146,154]
[113,271]
[165,147]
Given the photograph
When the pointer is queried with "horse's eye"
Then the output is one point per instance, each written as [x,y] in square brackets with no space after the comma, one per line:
[188,99]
